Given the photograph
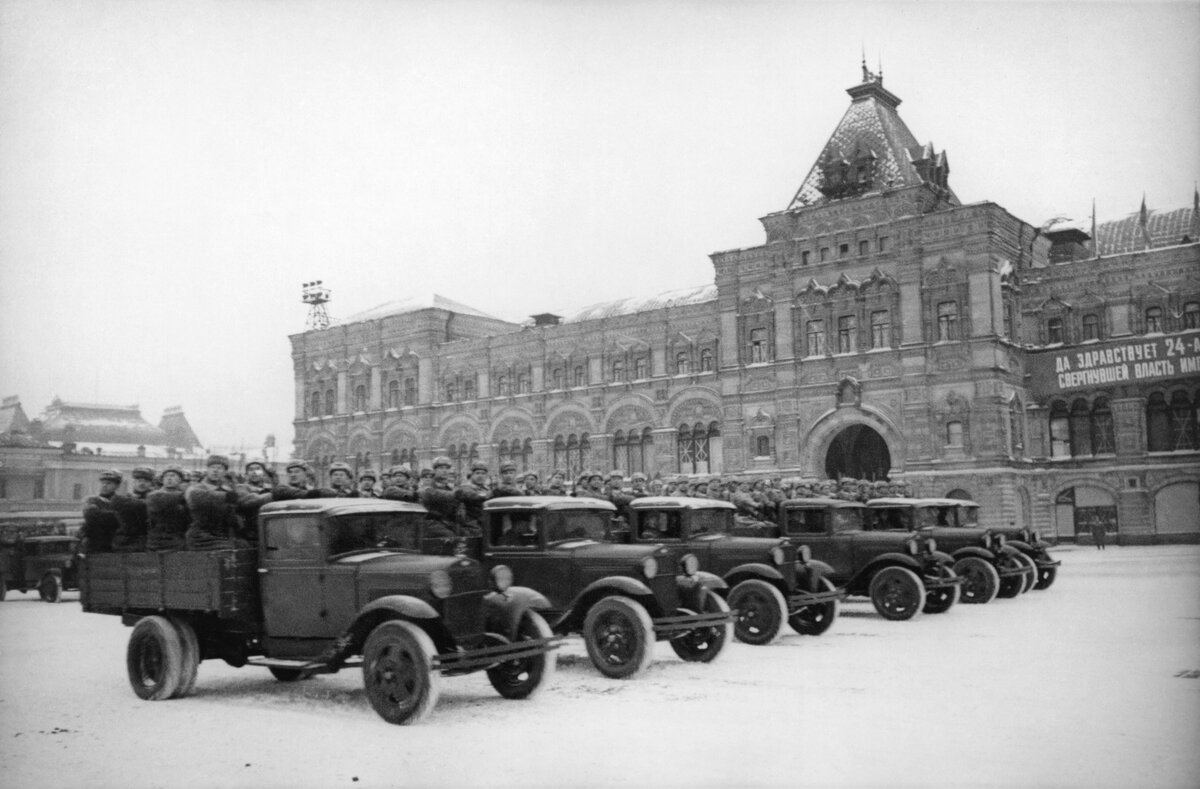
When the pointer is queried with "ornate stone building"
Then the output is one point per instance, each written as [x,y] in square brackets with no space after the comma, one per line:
[883,329]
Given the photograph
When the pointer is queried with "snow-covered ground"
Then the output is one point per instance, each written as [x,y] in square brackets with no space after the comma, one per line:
[1085,684]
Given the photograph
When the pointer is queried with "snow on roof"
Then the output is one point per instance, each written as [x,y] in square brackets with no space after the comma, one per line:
[670,298]
[98,423]
[415,304]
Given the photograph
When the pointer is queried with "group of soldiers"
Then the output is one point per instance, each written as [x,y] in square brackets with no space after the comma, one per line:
[175,510]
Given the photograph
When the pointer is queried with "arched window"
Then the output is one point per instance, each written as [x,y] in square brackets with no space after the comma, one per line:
[330,401]
[502,387]
[1158,423]
[393,393]
[631,449]
[1054,331]
[315,407]
[580,376]
[559,453]
[523,383]
[1183,422]
[1081,428]
[556,376]
[683,364]
[1103,434]
[1091,327]
[954,434]
[696,448]
[947,320]
[762,447]
[410,391]
[360,398]
[469,389]
[1060,430]
[1191,315]
[395,457]
[706,360]
[1154,319]
[1016,427]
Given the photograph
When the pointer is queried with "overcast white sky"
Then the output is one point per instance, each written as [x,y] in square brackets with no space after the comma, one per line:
[171,172]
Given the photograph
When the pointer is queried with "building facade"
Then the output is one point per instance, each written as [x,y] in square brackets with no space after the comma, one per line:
[883,329]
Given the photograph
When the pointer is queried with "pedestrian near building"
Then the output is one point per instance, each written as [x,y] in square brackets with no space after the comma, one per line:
[1099,533]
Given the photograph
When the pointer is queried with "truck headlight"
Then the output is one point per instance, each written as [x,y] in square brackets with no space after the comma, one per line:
[501,577]
[931,544]
[691,565]
[440,584]
[1000,541]
[777,555]
[987,540]
[649,567]
[912,547]
[804,554]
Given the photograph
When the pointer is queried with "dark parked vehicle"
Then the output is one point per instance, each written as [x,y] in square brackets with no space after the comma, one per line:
[621,598]
[990,568]
[338,583]
[1027,541]
[44,563]
[901,573]
[768,582]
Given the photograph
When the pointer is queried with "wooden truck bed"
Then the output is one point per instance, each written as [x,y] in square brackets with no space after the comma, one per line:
[222,582]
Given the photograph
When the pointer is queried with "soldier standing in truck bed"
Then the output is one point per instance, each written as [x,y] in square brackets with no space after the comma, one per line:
[99,518]
[166,513]
[438,495]
[295,484]
[471,496]
[212,503]
[131,512]
[341,482]
[252,494]
[400,486]
[507,486]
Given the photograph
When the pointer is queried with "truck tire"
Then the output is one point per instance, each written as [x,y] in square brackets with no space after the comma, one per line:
[1046,576]
[619,637]
[1010,585]
[50,588]
[523,678]
[981,582]
[1031,577]
[398,672]
[703,644]
[814,620]
[897,593]
[154,658]
[191,657]
[941,599]
[761,612]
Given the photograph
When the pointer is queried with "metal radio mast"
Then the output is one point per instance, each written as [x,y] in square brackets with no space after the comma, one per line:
[316,297]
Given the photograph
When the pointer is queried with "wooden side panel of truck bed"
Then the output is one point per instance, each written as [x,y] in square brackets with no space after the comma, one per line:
[221,582]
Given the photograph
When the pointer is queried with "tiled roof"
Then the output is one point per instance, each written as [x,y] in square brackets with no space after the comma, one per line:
[1167,228]
[12,416]
[871,123]
[415,304]
[670,298]
[100,424]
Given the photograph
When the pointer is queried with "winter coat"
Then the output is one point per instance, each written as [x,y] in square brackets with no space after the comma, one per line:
[441,501]
[250,500]
[167,520]
[400,493]
[100,524]
[214,521]
[131,513]
[472,497]
[501,490]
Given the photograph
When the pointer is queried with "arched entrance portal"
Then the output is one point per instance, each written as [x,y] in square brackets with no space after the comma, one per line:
[858,452]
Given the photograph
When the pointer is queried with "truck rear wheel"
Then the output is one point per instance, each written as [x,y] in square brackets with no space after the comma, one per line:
[814,620]
[703,644]
[761,612]
[154,658]
[897,593]
[524,677]
[398,672]
[191,657]
[50,588]
[619,637]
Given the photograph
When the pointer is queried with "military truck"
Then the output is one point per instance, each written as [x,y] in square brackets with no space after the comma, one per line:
[901,573]
[336,583]
[620,598]
[46,563]
[989,567]
[1027,541]
[769,580]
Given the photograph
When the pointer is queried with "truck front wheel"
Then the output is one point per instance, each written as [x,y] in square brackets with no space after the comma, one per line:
[154,658]
[897,593]
[398,672]
[703,644]
[522,678]
[814,620]
[761,611]
[50,588]
[619,637]
[981,582]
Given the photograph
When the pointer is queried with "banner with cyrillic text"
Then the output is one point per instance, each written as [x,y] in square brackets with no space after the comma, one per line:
[1116,362]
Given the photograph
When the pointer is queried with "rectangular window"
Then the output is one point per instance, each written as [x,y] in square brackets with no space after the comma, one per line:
[847,334]
[954,434]
[881,328]
[3,488]
[579,377]
[824,254]
[1060,437]
[816,337]
[843,250]
[39,488]
[758,345]
[1118,319]
[947,320]
[1091,327]
[864,247]
[77,491]
[884,242]
[1054,331]
[804,256]
[1008,320]
[641,368]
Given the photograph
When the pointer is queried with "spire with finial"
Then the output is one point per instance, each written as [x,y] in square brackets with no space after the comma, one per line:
[1144,223]
[1095,238]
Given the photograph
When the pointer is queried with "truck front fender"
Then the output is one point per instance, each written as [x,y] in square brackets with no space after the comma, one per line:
[381,610]
[505,609]
[1022,546]
[943,557]
[753,570]
[973,550]
[889,559]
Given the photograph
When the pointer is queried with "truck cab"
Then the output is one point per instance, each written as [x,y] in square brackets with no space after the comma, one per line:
[46,563]
[769,580]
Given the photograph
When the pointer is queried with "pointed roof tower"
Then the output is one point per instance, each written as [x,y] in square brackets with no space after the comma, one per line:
[872,150]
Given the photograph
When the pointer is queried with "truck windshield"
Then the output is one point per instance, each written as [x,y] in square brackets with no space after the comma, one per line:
[578,525]
[935,516]
[377,530]
[711,522]
[968,516]
[898,518]
[847,519]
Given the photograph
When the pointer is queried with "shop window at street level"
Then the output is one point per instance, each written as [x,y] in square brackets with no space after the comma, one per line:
[1103,431]
[1158,423]
[1183,422]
